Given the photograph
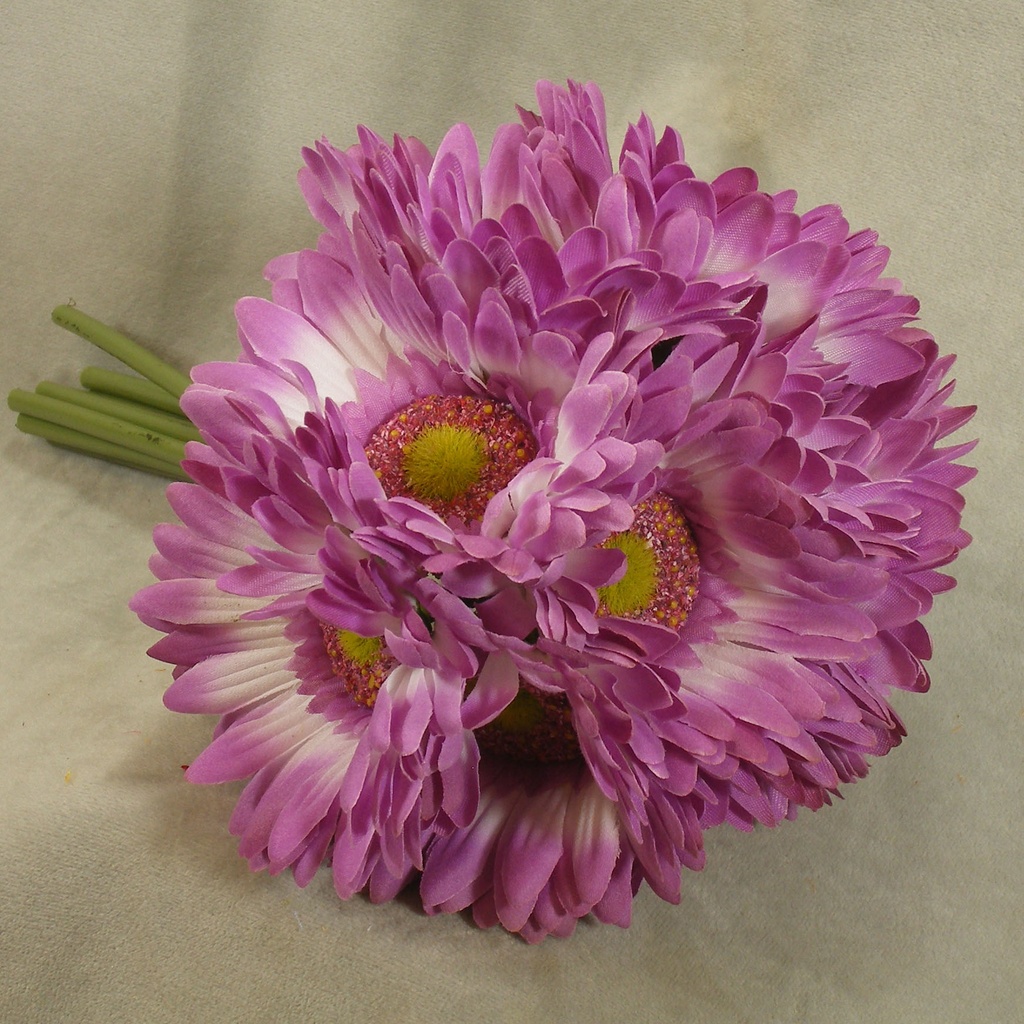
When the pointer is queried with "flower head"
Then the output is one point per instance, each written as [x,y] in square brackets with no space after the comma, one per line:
[553,513]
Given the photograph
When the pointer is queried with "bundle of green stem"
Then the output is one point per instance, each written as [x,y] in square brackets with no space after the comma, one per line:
[132,421]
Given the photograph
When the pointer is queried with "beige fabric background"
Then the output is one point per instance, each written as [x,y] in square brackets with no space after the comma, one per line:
[147,171]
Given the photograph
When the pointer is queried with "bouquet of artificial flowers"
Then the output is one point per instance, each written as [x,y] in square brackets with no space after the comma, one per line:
[554,512]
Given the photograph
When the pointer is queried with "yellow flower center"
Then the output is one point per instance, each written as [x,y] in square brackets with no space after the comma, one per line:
[660,581]
[363,650]
[535,727]
[453,453]
[635,591]
[362,663]
[522,715]
[443,462]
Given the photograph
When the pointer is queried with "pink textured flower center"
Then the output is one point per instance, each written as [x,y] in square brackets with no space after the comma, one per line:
[660,581]
[536,727]
[453,453]
[362,663]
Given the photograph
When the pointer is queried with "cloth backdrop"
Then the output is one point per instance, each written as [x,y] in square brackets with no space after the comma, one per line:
[147,173]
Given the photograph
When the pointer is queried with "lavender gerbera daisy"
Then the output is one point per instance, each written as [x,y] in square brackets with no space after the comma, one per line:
[554,512]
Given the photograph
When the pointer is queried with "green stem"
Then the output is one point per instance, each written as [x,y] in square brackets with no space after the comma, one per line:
[95,424]
[127,351]
[122,409]
[135,389]
[73,440]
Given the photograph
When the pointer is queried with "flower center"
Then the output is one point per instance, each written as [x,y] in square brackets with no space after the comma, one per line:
[635,591]
[453,453]
[660,582]
[535,727]
[361,662]
[443,462]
